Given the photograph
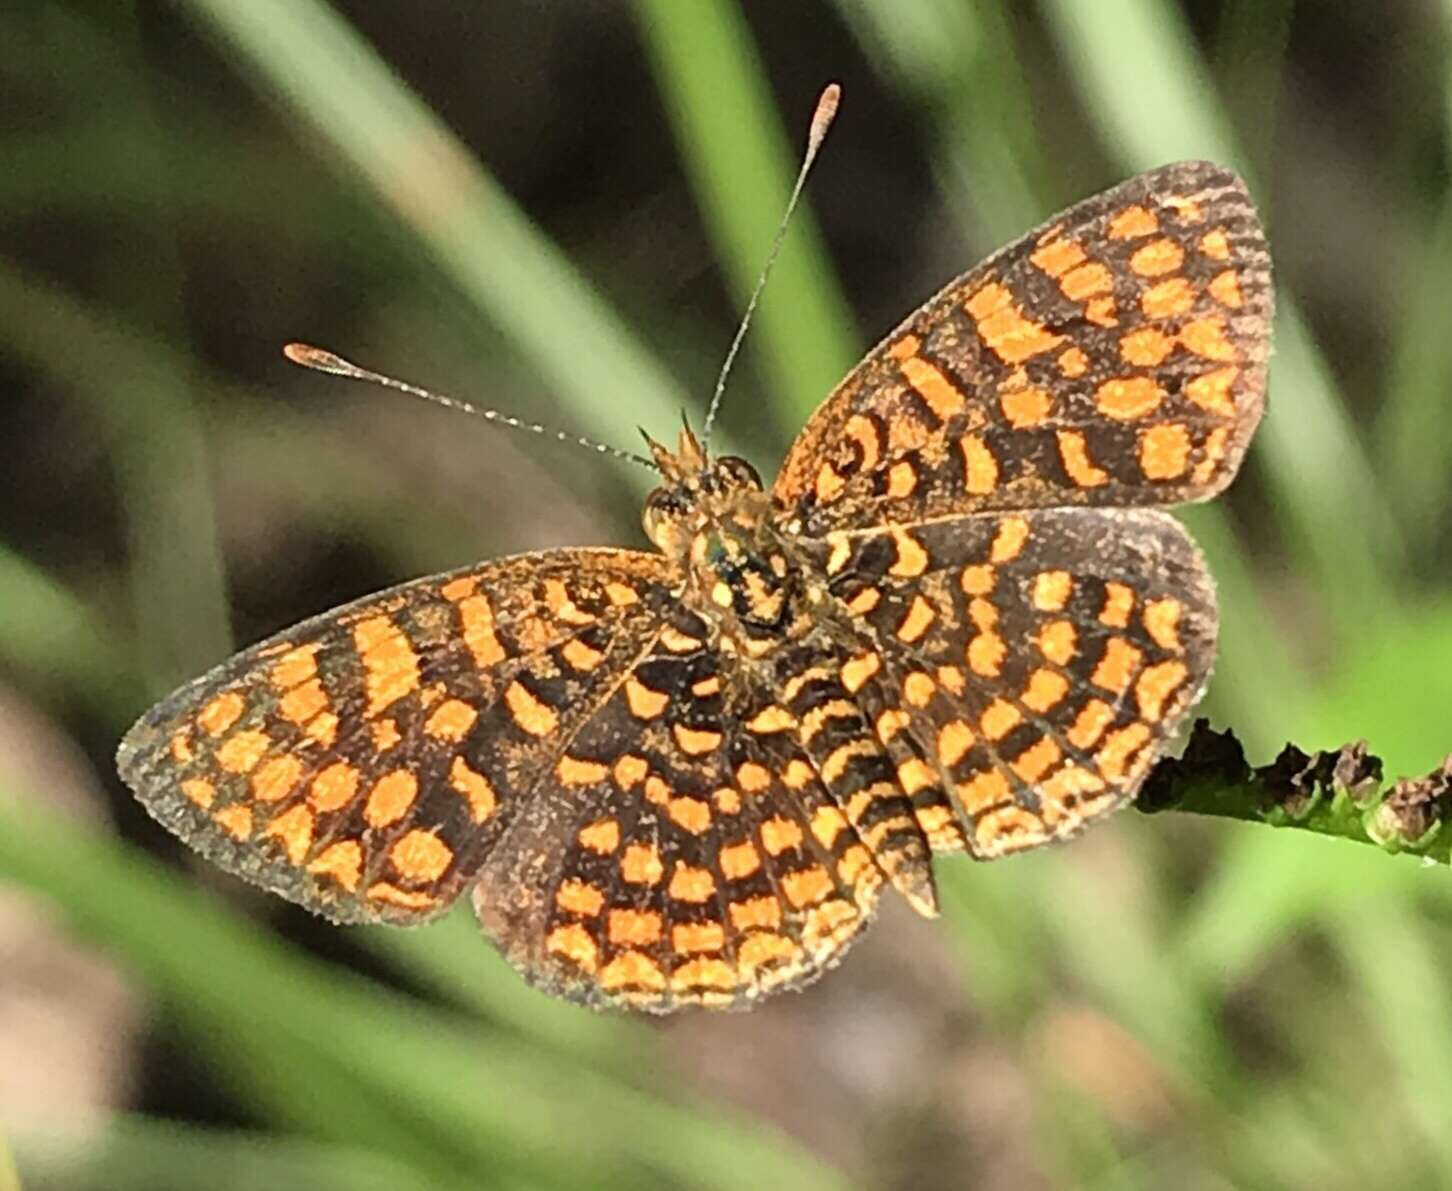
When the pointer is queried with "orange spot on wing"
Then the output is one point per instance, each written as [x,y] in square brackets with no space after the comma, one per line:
[235,820]
[1128,397]
[634,927]
[807,886]
[1212,391]
[1117,665]
[690,937]
[475,788]
[980,467]
[999,719]
[530,713]
[752,912]
[934,386]
[303,702]
[1156,685]
[334,788]
[696,742]
[1119,747]
[1075,456]
[241,753]
[573,942]
[1215,244]
[1057,257]
[1146,347]
[1052,590]
[1009,541]
[691,884]
[1157,258]
[739,860]
[295,666]
[955,738]
[389,662]
[1225,289]
[342,861]
[391,798]
[1089,724]
[274,780]
[200,791]
[986,789]
[1118,604]
[572,771]
[856,671]
[1073,362]
[1087,281]
[1025,407]
[689,814]
[644,703]
[579,897]
[1036,760]
[632,969]
[640,865]
[905,348]
[1059,642]
[919,618]
[1168,298]
[1132,223]
[221,713]
[420,856]
[779,834]
[1164,451]
[451,720]
[1206,338]
[1161,622]
[1045,690]
[1004,328]
[602,836]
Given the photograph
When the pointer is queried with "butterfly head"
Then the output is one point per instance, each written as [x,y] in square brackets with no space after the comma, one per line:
[711,515]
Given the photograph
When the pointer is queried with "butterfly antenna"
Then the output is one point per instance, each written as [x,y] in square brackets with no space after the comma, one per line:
[821,121]
[321,360]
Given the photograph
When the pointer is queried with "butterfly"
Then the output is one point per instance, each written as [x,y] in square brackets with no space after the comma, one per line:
[959,620]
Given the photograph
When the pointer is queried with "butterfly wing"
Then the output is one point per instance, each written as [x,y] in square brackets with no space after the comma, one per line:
[700,860]
[553,729]
[1024,669]
[1028,642]
[1114,356]
[365,762]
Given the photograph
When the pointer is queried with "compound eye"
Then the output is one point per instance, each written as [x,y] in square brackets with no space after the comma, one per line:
[661,507]
[739,471]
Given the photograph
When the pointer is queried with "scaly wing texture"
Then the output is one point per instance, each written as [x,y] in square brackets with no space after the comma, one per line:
[554,727]
[365,762]
[1023,669]
[1115,356]
[692,855]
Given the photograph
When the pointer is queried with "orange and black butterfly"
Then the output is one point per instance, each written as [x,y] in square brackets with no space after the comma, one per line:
[959,620]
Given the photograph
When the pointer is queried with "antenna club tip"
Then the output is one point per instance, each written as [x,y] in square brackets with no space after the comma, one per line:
[302,353]
[826,112]
[308,356]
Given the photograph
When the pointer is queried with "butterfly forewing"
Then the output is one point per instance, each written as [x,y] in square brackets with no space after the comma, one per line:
[364,762]
[1115,356]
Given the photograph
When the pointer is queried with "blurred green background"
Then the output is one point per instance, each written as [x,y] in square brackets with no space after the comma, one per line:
[559,210]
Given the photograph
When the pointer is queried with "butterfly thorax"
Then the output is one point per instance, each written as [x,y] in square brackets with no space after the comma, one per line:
[713,518]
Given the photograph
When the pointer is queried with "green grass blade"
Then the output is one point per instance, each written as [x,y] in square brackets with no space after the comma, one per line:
[741,165]
[304,53]
[298,1036]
